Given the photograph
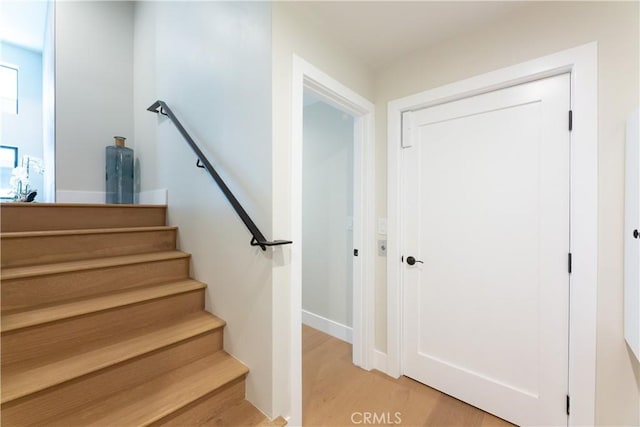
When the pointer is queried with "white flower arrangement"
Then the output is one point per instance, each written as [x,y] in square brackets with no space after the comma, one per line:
[19,180]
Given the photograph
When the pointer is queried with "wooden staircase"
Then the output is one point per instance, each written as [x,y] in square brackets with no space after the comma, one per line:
[102,325]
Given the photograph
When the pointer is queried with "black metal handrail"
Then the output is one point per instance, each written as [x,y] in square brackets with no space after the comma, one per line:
[258,238]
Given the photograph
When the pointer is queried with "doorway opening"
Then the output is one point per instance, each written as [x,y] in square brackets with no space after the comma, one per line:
[327,218]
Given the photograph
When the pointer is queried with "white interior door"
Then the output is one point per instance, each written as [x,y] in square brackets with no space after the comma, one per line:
[486,211]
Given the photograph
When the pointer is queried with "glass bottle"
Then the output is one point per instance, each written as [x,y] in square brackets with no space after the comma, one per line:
[119,174]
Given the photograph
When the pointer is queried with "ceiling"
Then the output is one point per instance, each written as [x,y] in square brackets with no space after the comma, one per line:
[23,22]
[376,31]
[380,31]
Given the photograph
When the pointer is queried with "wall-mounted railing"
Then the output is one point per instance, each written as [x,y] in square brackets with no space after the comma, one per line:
[258,238]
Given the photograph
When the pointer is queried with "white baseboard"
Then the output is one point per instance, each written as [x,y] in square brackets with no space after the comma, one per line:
[151,197]
[380,361]
[66,196]
[328,326]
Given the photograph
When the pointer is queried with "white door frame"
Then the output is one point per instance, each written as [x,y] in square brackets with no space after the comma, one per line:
[306,76]
[582,63]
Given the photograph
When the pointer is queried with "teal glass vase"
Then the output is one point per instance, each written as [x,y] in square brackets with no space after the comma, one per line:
[119,165]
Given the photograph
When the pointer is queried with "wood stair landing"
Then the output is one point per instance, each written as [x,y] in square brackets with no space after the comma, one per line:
[101,324]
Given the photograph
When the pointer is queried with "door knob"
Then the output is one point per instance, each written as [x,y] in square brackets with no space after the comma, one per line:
[411,260]
[636,234]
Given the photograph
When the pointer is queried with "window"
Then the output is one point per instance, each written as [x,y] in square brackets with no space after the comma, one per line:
[8,89]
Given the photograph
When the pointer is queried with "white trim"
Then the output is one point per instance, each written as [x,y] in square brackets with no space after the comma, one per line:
[306,76]
[380,361]
[69,196]
[151,197]
[582,63]
[328,326]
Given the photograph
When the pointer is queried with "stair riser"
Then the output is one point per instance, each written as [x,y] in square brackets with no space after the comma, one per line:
[21,251]
[69,335]
[42,216]
[67,397]
[204,411]
[33,291]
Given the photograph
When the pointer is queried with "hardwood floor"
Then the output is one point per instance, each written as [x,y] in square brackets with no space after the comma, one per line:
[337,393]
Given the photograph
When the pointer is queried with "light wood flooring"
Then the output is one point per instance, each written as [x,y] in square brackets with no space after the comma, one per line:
[333,389]
[102,325]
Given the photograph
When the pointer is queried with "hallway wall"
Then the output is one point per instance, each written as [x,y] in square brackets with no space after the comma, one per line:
[211,63]
[327,215]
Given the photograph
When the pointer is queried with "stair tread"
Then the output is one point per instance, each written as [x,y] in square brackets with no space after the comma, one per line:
[51,313]
[25,378]
[88,264]
[22,234]
[155,399]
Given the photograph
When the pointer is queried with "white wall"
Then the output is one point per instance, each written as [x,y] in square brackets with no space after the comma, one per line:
[211,63]
[94,88]
[293,33]
[327,212]
[24,130]
[540,29]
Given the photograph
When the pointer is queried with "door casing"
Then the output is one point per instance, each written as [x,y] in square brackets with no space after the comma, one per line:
[582,63]
[306,76]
